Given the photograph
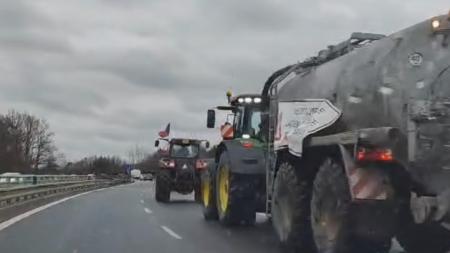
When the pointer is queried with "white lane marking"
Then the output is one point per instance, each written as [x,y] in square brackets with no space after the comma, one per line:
[171,233]
[142,201]
[148,210]
[20,217]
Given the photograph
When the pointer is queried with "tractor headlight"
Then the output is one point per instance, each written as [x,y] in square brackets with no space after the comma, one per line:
[248,100]
[257,100]
[240,100]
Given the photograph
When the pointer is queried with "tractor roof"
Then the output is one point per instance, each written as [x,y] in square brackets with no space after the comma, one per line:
[240,99]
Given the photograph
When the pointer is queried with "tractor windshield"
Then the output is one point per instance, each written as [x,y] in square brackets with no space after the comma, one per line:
[184,151]
[251,123]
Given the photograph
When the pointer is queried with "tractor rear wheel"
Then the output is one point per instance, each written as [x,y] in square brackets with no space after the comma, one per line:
[235,196]
[162,186]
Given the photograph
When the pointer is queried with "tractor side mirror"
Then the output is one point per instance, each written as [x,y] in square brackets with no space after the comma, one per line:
[207,144]
[211,119]
[156,143]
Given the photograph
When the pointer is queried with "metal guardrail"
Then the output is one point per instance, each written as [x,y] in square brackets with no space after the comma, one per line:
[16,196]
[7,181]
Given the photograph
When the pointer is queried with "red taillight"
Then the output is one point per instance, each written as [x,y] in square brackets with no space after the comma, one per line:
[201,164]
[247,144]
[374,155]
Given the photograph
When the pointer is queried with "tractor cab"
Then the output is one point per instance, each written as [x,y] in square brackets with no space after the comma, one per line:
[244,120]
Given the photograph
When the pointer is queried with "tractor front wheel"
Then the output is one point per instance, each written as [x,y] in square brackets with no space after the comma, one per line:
[208,197]
[235,196]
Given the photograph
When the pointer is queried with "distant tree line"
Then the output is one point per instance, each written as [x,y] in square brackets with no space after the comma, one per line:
[26,143]
[98,165]
[27,146]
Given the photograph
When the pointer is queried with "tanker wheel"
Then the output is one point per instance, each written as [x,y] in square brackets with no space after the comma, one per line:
[331,213]
[291,209]
[162,186]
[422,238]
[208,198]
[234,195]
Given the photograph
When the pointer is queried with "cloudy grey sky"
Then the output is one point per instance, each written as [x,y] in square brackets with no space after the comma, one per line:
[108,74]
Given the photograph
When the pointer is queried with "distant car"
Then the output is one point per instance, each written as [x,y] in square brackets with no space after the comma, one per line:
[148,177]
[135,174]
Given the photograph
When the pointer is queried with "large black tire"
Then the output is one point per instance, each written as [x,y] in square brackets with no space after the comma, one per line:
[291,209]
[208,197]
[197,194]
[422,238]
[332,218]
[163,186]
[198,188]
[239,206]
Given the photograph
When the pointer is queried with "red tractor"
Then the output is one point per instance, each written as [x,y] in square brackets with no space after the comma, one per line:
[180,168]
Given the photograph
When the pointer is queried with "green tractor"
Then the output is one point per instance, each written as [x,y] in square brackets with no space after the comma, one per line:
[233,188]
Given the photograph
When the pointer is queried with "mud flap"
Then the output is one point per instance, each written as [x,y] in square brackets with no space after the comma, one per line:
[365,183]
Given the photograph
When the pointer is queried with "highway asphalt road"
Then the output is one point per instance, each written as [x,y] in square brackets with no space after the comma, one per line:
[127,219]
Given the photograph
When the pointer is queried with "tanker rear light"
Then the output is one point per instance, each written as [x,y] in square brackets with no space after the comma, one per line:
[374,155]
[435,24]
[441,25]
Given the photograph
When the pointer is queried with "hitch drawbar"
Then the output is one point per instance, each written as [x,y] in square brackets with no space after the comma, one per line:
[426,208]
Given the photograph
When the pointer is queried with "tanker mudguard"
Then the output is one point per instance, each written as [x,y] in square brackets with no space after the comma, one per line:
[243,161]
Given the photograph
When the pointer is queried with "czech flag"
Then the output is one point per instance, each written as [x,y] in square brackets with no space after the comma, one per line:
[166,132]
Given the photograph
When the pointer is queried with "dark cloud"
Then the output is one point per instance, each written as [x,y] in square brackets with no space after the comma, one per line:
[260,15]
[110,74]
[25,28]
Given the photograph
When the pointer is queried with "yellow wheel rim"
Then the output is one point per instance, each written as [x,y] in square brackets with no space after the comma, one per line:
[206,190]
[224,184]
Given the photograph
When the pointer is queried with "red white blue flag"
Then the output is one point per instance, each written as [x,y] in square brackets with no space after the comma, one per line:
[166,132]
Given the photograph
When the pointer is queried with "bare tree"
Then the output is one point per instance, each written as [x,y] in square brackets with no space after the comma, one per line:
[136,154]
[25,142]
[43,146]
[31,129]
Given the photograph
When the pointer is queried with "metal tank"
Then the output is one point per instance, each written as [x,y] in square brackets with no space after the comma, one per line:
[369,116]
[401,81]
